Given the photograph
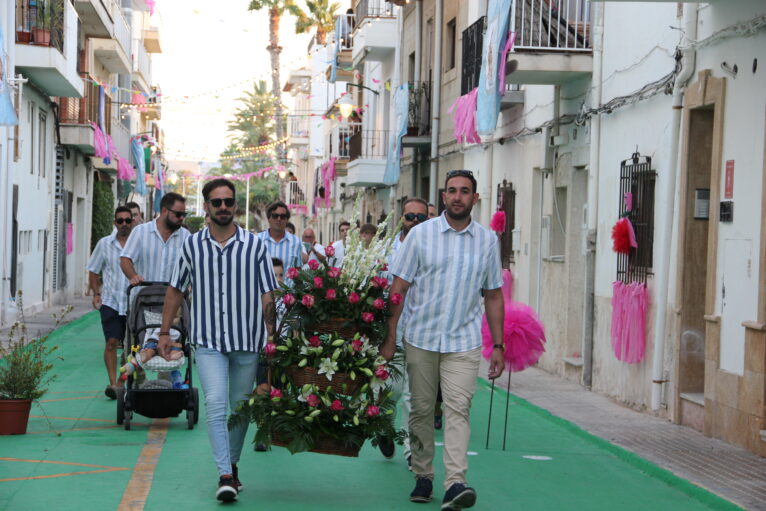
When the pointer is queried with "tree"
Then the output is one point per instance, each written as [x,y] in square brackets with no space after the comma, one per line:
[321,15]
[254,119]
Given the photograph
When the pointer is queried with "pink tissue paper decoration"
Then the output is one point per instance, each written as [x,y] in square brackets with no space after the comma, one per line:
[99,142]
[629,304]
[69,238]
[628,201]
[328,175]
[497,223]
[523,333]
[125,170]
[503,59]
[465,118]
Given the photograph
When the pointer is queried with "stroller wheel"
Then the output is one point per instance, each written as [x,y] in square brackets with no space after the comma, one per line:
[127,419]
[196,405]
[190,419]
[120,405]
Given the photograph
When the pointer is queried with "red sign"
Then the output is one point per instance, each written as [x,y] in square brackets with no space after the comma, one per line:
[728,192]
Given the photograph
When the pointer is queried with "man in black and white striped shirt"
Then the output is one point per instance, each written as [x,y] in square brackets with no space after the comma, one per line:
[232,312]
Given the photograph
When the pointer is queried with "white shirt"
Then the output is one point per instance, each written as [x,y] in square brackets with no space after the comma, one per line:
[313,257]
[340,250]
[105,260]
[154,258]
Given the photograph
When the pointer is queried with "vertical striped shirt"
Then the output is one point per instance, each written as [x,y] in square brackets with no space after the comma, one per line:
[289,249]
[227,284]
[105,260]
[447,270]
[154,258]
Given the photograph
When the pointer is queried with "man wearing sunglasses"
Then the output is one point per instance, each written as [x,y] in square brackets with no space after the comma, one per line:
[280,243]
[153,248]
[109,295]
[440,271]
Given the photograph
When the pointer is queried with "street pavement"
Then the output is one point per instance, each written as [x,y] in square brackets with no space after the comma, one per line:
[76,457]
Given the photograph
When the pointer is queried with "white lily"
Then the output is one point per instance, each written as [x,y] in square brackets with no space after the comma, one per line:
[328,367]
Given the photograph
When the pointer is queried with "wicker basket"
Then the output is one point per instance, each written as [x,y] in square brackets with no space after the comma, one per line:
[300,376]
[341,326]
[322,445]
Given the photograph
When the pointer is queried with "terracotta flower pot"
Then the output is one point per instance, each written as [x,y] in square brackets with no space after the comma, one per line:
[23,36]
[14,416]
[42,36]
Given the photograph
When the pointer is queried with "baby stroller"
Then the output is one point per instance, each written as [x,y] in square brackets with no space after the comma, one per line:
[155,399]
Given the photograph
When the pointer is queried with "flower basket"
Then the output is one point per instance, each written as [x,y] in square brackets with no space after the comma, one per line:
[322,445]
[300,376]
[341,326]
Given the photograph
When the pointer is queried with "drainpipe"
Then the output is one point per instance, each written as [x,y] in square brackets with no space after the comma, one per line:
[436,106]
[668,198]
[5,170]
[593,176]
[393,127]
[417,152]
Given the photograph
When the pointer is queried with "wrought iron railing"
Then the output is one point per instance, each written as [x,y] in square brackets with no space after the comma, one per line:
[40,22]
[419,111]
[295,194]
[551,25]
[372,9]
[299,126]
[84,110]
[637,179]
[347,25]
[368,144]
[473,37]
[506,202]
[340,139]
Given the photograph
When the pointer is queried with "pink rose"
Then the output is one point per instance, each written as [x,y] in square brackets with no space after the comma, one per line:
[368,317]
[379,304]
[396,298]
[353,298]
[292,273]
[373,411]
[318,282]
[270,349]
[288,299]
[384,267]
[380,282]
[382,373]
[313,264]
[329,250]
[314,341]
[313,400]
[275,394]
[331,295]
[333,272]
[336,406]
[356,344]
[307,301]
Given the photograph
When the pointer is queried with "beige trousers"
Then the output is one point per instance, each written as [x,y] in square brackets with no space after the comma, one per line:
[457,373]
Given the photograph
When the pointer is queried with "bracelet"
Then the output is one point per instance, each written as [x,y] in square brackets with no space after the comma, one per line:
[498,347]
[164,333]
[97,294]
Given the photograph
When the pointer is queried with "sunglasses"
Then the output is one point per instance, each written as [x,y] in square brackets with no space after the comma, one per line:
[229,201]
[280,216]
[411,217]
[120,221]
[459,173]
[179,214]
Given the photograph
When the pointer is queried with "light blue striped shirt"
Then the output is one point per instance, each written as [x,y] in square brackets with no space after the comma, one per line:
[227,285]
[154,258]
[105,260]
[447,270]
[289,249]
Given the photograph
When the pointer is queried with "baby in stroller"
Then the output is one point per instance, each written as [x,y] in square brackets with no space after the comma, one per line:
[148,352]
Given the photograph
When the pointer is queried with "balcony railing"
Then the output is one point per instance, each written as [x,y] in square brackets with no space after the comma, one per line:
[419,112]
[340,139]
[372,9]
[84,110]
[473,38]
[551,25]
[369,145]
[40,22]
[295,195]
[122,31]
[347,25]
[299,127]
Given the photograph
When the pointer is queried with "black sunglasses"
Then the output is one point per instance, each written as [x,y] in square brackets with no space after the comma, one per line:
[179,214]
[229,201]
[459,173]
[280,216]
[120,221]
[420,217]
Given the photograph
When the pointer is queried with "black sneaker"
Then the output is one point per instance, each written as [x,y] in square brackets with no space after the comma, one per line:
[387,447]
[260,448]
[409,462]
[459,496]
[110,392]
[235,475]
[424,488]
[437,422]
[227,490]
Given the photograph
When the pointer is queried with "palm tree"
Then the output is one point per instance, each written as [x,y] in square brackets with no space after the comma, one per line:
[321,15]
[254,118]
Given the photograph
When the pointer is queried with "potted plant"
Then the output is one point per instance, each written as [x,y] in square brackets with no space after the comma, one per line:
[23,36]
[24,374]
[47,17]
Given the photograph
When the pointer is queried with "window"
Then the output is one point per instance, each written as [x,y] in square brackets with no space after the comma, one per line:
[31,113]
[473,38]
[411,67]
[451,39]
[636,201]
[41,159]
[506,202]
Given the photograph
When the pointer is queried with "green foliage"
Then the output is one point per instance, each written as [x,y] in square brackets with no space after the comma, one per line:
[103,212]
[321,15]
[254,119]
[194,223]
[25,365]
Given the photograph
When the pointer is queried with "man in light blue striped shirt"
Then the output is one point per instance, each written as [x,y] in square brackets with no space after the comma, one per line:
[110,296]
[232,311]
[441,270]
[280,243]
[153,248]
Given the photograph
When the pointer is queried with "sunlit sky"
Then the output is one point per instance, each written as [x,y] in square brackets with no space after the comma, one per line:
[211,52]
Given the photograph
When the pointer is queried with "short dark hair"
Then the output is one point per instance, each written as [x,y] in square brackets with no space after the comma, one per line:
[275,261]
[344,222]
[217,183]
[368,229]
[277,204]
[122,209]
[171,198]
[461,173]
[133,205]
[415,199]
[290,226]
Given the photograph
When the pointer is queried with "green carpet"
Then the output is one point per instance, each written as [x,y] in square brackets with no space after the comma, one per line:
[549,463]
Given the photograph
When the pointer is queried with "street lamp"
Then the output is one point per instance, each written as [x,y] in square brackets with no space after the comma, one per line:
[346,106]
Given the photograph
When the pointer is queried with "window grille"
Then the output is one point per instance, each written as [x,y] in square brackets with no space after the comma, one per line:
[636,202]
[473,38]
[506,202]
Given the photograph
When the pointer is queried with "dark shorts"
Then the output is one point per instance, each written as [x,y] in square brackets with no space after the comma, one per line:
[112,323]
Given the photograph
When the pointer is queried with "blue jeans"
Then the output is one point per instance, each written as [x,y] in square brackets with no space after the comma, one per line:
[227,379]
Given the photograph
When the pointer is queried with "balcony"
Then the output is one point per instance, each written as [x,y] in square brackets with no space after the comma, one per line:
[367,158]
[298,128]
[76,116]
[419,115]
[46,49]
[374,36]
[553,41]
[339,144]
[153,110]
[341,51]
[96,17]
[142,69]
[295,198]
[152,41]
[110,54]
[513,95]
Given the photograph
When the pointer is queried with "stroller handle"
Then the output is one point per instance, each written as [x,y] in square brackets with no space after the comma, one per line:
[145,283]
